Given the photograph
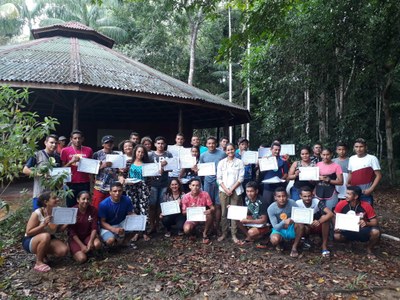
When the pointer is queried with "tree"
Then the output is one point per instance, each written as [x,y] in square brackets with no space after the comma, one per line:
[20,132]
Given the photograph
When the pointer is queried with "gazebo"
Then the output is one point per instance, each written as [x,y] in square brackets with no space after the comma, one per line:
[74,75]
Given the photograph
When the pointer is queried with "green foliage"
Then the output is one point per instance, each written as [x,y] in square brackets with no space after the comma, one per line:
[20,132]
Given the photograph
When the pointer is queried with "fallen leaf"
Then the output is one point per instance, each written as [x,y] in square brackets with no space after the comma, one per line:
[321,280]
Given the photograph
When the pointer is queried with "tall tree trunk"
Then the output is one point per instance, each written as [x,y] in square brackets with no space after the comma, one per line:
[321,107]
[388,127]
[307,110]
[378,114]
[194,31]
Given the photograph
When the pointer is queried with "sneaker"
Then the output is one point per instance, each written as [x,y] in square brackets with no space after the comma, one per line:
[167,234]
[180,233]
[306,244]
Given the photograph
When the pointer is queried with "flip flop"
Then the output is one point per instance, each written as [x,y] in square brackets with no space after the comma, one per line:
[146,238]
[206,240]
[261,246]
[43,268]
[294,253]
[326,253]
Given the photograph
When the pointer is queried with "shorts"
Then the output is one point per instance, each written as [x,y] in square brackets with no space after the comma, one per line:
[27,243]
[106,234]
[315,230]
[213,190]
[363,235]
[286,233]
[74,246]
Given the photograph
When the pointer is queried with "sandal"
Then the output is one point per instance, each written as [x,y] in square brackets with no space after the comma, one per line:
[206,240]
[261,246]
[146,238]
[279,248]
[43,268]
[135,237]
[326,253]
[294,253]
[372,257]
[245,243]
[167,234]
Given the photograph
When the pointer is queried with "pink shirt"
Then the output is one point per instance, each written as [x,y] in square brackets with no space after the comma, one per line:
[66,156]
[203,199]
[326,170]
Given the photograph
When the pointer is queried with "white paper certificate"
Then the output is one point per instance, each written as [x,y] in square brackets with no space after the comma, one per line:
[151,169]
[287,149]
[268,163]
[135,223]
[347,222]
[196,214]
[172,164]
[272,180]
[341,189]
[56,172]
[206,169]
[174,150]
[170,208]
[237,212]
[302,215]
[88,165]
[187,161]
[255,225]
[250,157]
[309,173]
[118,161]
[64,215]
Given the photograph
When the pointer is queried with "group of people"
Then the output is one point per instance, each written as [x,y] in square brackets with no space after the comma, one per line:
[118,193]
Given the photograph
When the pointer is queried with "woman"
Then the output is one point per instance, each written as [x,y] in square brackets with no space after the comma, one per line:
[147,142]
[294,173]
[127,150]
[187,174]
[83,234]
[230,175]
[330,174]
[174,193]
[39,235]
[139,192]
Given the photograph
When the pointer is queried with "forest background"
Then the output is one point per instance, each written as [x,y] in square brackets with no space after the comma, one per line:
[316,70]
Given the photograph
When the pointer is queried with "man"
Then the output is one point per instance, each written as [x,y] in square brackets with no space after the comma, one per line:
[197,198]
[210,182]
[343,161]
[70,157]
[281,172]
[369,230]
[256,214]
[107,174]
[316,157]
[179,141]
[195,141]
[322,217]
[284,228]
[41,158]
[222,143]
[112,212]
[62,143]
[249,169]
[364,171]
[135,138]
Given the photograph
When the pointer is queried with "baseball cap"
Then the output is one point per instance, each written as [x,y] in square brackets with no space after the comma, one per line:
[107,139]
[242,139]
[62,138]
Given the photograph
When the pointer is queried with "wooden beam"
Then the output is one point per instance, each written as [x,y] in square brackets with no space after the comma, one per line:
[75,114]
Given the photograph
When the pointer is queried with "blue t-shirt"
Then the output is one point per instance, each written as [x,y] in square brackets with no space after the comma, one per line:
[115,212]
[214,157]
[282,169]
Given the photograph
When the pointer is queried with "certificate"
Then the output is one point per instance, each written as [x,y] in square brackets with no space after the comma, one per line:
[348,222]
[196,214]
[151,169]
[170,208]
[174,150]
[56,172]
[341,189]
[88,165]
[64,215]
[187,161]
[172,164]
[309,173]
[264,152]
[237,212]
[206,169]
[302,215]
[268,163]
[255,225]
[250,157]
[118,161]
[288,149]
[130,181]
[135,223]
[274,179]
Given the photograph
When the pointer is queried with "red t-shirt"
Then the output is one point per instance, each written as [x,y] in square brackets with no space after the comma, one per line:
[363,209]
[203,199]
[85,223]
[66,156]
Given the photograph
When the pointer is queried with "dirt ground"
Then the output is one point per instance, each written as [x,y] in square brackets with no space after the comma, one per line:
[177,268]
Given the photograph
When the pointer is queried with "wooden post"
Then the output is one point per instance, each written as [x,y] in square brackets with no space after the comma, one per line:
[180,121]
[75,114]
